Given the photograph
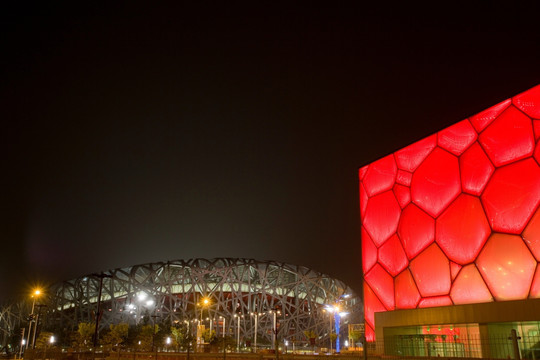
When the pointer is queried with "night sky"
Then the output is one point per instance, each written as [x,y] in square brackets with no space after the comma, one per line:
[134,134]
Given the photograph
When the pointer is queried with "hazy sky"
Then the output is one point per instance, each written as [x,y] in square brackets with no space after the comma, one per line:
[134,134]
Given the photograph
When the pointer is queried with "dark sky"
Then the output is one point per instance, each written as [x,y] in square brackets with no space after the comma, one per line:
[134,134]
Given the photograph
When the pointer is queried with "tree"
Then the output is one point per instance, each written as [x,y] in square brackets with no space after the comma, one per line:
[181,337]
[333,337]
[227,342]
[82,339]
[117,335]
[209,336]
[311,335]
[145,338]
[44,340]
[356,336]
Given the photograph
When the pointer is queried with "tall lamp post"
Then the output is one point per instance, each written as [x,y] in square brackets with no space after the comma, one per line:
[256,316]
[338,314]
[275,313]
[203,303]
[223,319]
[153,331]
[274,329]
[237,316]
[39,306]
[35,294]
[98,312]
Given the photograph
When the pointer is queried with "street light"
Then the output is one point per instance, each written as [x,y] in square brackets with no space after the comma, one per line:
[256,315]
[35,294]
[275,330]
[237,316]
[39,306]
[153,330]
[205,301]
[338,314]
[23,341]
[100,276]
[223,319]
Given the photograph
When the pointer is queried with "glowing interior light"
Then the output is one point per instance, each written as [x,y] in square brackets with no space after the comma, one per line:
[453,218]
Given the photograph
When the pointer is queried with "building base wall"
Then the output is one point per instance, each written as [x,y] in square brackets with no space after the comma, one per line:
[471,330]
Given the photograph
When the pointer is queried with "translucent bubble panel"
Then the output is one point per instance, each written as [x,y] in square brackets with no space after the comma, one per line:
[481,120]
[382,284]
[508,266]
[455,218]
[476,170]
[531,235]
[411,157]
[469,287]
[457,138]
[369,252]
[462,229]
[510,137]
[372,304]
[431,271]
[512,196]
[435,301]
[535,288]
[392,256]
[380,176]
[529,102]
[407,295]
[403,195]
[382,217]
[436,182]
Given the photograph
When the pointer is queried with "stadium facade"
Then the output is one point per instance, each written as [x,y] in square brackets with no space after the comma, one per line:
[244,298]
[451,236]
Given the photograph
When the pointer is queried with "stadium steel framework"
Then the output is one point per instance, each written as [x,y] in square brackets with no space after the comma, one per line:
[245,296]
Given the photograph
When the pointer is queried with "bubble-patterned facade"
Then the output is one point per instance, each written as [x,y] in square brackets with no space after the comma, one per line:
[454,218]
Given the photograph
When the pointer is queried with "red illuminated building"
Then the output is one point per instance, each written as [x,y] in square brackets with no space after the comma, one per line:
[454,218]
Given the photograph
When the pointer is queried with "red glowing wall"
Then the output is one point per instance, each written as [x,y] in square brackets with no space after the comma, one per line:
[454,218]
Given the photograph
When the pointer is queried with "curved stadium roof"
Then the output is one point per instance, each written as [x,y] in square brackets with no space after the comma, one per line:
[236,288]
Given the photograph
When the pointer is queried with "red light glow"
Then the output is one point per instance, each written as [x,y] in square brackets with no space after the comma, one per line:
[454,218]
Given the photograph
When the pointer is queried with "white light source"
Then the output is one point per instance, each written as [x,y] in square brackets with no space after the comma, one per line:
[168,341]
[52,339]
[150,303]
[141,296]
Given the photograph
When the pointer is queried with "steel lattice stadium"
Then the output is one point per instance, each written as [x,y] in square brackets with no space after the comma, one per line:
[237,289]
